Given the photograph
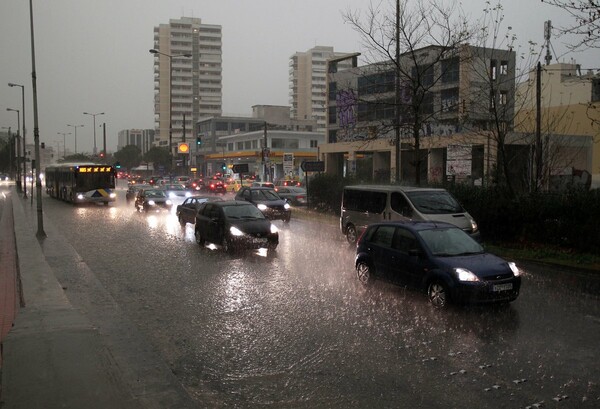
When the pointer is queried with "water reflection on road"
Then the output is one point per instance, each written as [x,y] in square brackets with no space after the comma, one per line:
[294,328]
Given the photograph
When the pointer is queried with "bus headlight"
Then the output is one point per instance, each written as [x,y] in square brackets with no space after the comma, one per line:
[112,195]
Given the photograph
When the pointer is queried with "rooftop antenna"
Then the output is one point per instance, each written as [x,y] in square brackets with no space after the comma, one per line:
[547,35]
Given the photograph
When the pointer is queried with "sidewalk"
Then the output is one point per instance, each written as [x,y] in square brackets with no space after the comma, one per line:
[54,357]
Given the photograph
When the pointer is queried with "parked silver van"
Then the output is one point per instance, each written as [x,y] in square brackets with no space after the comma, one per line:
[366,204]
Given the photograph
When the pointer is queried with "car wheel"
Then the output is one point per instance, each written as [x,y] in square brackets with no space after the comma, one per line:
[363,273]
[272,245]
[437,294]
[199,239]
[181,221]
[351,234]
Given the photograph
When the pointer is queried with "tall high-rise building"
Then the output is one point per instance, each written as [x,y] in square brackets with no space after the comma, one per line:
[142,138]
[187,77]
[308,84]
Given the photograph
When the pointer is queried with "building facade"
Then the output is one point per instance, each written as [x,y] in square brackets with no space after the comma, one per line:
[307,84]
[142,138]
[450,97]
[258,141]
[185,87]
[570,110]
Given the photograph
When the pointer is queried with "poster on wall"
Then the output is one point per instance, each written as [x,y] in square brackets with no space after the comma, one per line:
[458,160]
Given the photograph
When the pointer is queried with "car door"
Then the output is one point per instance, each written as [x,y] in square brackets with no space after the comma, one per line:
[406,264]
[213,227]
[380,250]
[188,210]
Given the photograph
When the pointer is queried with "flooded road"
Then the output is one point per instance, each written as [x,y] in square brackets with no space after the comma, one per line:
[294,328]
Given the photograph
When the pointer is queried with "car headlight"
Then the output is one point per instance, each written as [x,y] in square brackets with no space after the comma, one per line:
[151,202]
[169,203]
[112,195]
[465,275]
[473,225]
[188,194]
[261,206]
[171,194]
[80,196]
[514,268]
[274,229]
[235,231]
[286,206]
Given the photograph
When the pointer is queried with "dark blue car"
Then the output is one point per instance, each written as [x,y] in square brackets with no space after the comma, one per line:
[438,258]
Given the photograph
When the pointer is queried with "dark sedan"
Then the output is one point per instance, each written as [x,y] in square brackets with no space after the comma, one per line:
[186,212]
[267,201]
[234,225]
[438,258]
[152,200]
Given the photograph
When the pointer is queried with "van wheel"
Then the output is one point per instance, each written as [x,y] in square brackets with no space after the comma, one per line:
[437,294]
[351,234]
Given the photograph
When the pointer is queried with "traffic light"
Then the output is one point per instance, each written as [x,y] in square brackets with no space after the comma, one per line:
[118,165]
[199,141]
[102,154]
[224,166]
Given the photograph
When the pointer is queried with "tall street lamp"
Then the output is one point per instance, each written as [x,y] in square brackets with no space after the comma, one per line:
[18,130]
[170,57]
[11,84]
[75,126]
[94,115]
[64,134]
[11,154]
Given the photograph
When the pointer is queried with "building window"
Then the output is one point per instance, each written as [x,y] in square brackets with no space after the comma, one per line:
[332,115]
[504,68]
[332,90]
[239,146]
[424,73]
[230,146]
[493,71]
[450,70]
[503,97]
[449,100]
[377,83]
[248,145]
[332,137]
[222,126]
[314,143]
[255,144]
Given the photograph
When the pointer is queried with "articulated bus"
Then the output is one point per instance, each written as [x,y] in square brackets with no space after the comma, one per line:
[81,183]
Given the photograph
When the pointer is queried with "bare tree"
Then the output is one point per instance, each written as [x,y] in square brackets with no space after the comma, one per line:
[405,43]
[586,21]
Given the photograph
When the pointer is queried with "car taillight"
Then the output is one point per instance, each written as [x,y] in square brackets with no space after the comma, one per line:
[360,237]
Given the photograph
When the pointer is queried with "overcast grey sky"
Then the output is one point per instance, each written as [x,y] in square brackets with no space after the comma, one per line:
[93,55]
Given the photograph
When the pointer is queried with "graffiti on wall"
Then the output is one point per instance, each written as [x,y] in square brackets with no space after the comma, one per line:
[346,106]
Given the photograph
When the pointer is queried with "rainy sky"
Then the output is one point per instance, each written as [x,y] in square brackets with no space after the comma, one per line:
[93,55]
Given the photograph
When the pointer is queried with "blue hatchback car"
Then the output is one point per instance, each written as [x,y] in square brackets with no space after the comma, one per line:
[438,258]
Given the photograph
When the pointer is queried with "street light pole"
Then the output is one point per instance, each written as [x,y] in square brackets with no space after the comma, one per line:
[94,115]
[11,84]
[18,129]
[170,57]
[76,126]
[64,134]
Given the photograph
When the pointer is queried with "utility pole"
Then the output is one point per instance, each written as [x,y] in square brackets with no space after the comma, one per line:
[265,152]
[104,140]
[538,126]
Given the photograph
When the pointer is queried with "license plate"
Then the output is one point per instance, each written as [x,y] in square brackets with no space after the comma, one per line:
[502,287]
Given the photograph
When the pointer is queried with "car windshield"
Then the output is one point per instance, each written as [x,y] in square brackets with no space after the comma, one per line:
[155,193]
[265,194]
[242,212]
[174,187]
[451,241]
[432,202]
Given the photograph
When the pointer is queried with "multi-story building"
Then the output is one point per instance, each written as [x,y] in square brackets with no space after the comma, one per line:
[456,95]
[307,83]
[569,113]
[142,138]
[187,77]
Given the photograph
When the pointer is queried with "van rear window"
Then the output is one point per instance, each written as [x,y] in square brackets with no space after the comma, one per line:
[428,202]
[364,201]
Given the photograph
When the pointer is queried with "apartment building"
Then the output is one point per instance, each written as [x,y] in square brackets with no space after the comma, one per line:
[457,94]
[142,138]
[307,84]
[187,77]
